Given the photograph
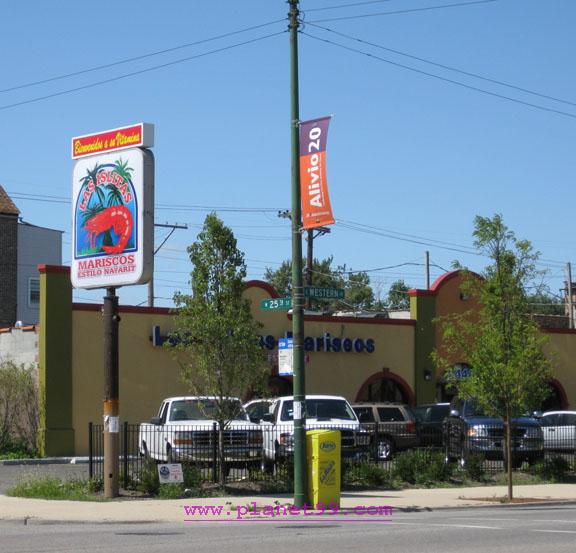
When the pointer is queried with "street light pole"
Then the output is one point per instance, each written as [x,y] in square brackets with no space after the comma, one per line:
[299,386]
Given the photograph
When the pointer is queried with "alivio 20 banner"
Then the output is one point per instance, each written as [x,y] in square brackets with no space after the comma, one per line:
[113,218]
[316,208]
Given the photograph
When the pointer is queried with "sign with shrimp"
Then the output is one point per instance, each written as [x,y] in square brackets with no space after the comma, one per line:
[113,221]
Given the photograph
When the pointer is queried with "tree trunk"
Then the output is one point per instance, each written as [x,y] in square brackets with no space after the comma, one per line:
[508,457]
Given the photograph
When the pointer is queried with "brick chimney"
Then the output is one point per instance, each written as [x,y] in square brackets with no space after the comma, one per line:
[8,258]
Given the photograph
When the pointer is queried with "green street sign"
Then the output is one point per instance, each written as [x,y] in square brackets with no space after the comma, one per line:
[276,303]
[324,293]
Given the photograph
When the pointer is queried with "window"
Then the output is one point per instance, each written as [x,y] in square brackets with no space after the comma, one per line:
[364,414]
[390,414]
[33,292]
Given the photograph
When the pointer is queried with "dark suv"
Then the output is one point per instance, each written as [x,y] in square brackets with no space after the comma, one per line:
[429,420]
[469,431]
[392,427]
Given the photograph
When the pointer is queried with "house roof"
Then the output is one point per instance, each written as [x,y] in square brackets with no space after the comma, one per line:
[7,206]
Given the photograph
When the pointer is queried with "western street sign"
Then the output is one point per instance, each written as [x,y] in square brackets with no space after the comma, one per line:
[276,303]
[323,293]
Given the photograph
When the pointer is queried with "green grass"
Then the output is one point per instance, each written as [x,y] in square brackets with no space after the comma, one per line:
[55,488]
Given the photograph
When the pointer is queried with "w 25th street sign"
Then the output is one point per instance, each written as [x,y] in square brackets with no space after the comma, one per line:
[276,303]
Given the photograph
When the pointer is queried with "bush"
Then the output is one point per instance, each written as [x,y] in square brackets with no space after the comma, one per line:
[474,467]
[554,469]
[365,474]
[19,410]
[421,466]
[146,478]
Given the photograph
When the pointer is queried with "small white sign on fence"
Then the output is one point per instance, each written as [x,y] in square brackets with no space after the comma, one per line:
[170,474]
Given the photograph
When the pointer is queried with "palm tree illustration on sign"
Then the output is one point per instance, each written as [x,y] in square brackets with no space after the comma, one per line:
[105,210]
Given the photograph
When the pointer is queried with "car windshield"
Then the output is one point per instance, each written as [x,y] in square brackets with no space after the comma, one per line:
[321,409]
[471,409]
[207,409]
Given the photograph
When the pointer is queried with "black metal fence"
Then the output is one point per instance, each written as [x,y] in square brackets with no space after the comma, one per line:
[250,453]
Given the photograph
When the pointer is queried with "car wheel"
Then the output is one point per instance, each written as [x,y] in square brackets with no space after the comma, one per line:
[384,449]
[144,450]
[267,466]
[169,455]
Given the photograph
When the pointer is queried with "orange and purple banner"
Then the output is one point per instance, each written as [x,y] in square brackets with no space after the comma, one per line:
[316,208]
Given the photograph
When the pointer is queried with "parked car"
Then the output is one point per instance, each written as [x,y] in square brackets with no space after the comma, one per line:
[559,428]
[469,431]
[257,408]
[392,427]
[185,430]
[429,420]
[322,412]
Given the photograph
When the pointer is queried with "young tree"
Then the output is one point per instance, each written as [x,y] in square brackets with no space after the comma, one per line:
[219,354]
[502,343]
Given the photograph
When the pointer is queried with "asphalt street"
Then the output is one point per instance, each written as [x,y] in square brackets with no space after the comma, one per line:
[511,529]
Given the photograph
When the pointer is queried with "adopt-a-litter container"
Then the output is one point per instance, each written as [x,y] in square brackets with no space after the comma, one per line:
[323,451]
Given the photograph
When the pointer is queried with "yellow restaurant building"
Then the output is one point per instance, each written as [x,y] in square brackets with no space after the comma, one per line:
[360,358]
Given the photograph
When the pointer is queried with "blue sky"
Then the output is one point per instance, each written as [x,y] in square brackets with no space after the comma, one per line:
[408,154]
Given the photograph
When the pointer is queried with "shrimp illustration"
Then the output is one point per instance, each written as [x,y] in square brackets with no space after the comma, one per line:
[117,217]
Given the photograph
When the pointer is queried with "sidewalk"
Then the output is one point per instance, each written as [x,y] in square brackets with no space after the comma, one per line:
[153,510]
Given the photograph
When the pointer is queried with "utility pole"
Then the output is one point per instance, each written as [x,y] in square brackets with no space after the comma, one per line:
[151,283]
[569,291]
[299,385]
[310,257]
[111,400]
[427,265]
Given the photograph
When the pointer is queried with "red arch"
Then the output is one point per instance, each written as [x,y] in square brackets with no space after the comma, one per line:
[264,285]
[386,374]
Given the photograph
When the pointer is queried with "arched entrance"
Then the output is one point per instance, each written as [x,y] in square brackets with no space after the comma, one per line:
[386,386]
[280,386]
[557,399]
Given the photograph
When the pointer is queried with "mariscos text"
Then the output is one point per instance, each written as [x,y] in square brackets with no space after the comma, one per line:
[110,265]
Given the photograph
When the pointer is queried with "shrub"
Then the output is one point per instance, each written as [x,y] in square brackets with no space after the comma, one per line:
[147,480]
[19,409]
[55,488]
[474,467]
[365,474]
[554,469]
[421,466]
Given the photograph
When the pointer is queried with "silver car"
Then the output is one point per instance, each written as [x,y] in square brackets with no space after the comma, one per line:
[559,428]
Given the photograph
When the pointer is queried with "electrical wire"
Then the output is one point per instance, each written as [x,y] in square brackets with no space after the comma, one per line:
[140,57]
[447,67]
[444,79]
[413,10]
[139,72]
[340,6]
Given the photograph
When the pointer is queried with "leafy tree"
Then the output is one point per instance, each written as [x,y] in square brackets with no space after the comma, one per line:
[502,344]
[398,296]
[220,355]
[359,294]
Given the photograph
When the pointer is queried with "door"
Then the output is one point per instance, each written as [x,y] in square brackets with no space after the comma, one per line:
[550,429]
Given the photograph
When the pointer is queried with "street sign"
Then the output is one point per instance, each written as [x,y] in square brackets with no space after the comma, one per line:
[285,357]
[276,303]
[323,293]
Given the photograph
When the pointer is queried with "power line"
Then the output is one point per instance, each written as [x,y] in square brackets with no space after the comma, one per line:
[340,6]
[413,10]
[140,72]
[445,79]
[140,57]
[447,67]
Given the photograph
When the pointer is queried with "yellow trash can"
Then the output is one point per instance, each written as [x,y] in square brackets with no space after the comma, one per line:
[323,450]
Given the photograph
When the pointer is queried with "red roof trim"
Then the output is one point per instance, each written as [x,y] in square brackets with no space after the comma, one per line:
[264,285]
[438,283]
[124,309]
[53,269]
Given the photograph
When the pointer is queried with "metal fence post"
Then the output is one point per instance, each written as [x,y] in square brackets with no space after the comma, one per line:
[125,454]
[214,453]
[90,452]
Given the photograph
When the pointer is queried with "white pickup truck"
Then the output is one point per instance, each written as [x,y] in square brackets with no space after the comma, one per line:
[185,430]
[322,412]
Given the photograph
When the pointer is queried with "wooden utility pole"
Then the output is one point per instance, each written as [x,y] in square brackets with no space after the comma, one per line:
[569,292]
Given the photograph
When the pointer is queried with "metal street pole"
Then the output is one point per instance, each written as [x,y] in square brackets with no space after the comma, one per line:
[111,401]
[300,488]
